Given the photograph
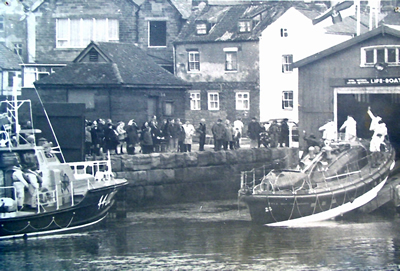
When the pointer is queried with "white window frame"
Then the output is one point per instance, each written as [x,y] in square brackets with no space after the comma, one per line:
[201,28]
[374,49]
[213,100]
[64,34]
[241,100]
[287,63]
[195,100]
[192,61]
[231,59]
[245,26]
[287,102]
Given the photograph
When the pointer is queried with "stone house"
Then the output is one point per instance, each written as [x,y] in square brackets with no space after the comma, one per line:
[116,81]
[239,58]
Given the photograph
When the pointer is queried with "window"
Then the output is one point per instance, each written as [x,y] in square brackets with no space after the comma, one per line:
[11,78]
[193,61]
[77,33]
[18,49]
[287,61]
[168,108]
[157,33]
[82,96]
[287,100]
[213,101]
[1,23]
[242,101]
[244,26]
[195,101]
[231,59]
[380,54]
[201,29]
[284,32]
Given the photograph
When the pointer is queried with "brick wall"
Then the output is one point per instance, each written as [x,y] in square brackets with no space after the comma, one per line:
[46,51]
[159,10]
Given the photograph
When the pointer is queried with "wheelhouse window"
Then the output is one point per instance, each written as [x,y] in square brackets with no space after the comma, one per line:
[245,26]
[157,33]
[287,100]
[231,59]
[193,61]
[213,101]
[380,54]
[287,63]
[242,100]
[195,101]
[77,33]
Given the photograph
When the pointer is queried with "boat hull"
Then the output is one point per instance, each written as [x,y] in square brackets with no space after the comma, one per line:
[93,208]
[294,209]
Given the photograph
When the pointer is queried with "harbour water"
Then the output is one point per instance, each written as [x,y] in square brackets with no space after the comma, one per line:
[213,235]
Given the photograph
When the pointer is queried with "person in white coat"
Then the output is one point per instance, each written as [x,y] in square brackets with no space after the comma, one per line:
[189,132]
[329,131]
[350,127]
[378,138]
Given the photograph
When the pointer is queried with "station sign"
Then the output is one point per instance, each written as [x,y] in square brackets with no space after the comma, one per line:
[373,81]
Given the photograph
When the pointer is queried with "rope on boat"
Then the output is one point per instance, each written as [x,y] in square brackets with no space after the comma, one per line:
[40,229]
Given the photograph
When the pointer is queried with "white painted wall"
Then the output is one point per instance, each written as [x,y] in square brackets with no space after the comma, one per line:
[304,39]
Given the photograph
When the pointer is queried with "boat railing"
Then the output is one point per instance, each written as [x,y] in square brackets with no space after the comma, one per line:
[317,175]
[47,198]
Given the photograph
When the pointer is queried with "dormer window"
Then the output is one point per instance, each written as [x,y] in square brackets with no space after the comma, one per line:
[202,28]
[245,26]
[389,54]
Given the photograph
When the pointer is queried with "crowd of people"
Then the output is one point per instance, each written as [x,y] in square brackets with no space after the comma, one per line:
[172,135]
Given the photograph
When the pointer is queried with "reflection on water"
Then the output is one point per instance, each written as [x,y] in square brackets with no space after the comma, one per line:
[211,236]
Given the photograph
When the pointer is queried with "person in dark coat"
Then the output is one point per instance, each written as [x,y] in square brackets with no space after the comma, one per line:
[202,134]
[146,139]
[110,138]
[132,131]
[219,133]
[181,136]
[284,133]
[253,131]
[274,133]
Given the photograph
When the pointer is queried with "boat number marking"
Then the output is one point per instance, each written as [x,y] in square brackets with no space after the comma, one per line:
[103,201]
[268,209]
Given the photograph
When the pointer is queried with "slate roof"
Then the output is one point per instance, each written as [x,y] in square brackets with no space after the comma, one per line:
[8,59]
[184,7]
[127,65]
[382,30]
[226,17]
[349,25]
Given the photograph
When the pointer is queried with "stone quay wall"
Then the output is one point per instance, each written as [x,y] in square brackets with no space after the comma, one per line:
[165,178]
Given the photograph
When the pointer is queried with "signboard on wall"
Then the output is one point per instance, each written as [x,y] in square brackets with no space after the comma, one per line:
[373,81]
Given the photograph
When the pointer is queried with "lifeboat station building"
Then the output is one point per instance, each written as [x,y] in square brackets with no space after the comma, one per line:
[348,78]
